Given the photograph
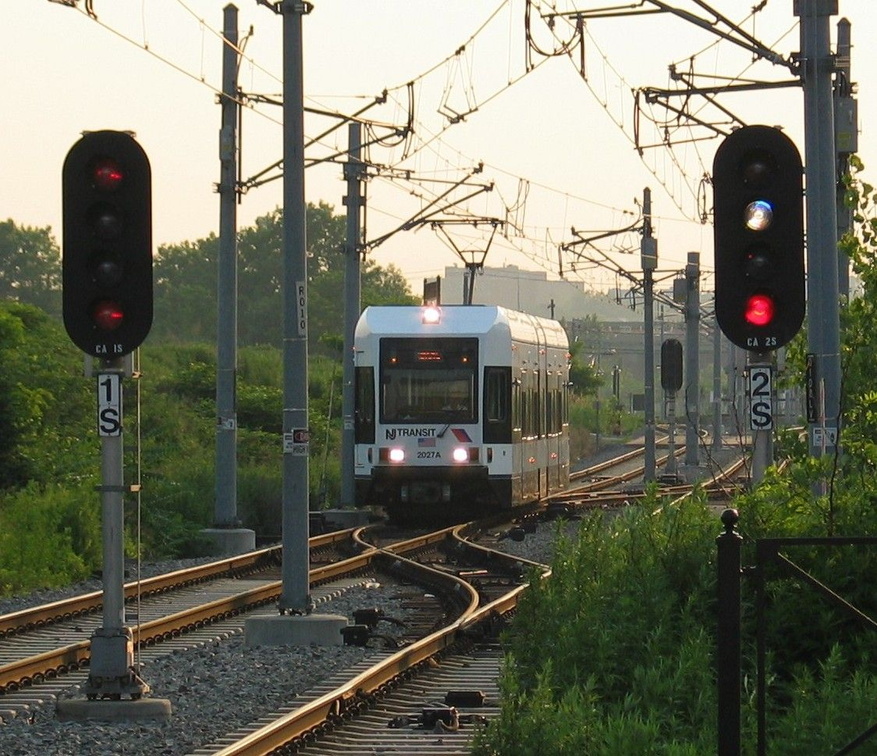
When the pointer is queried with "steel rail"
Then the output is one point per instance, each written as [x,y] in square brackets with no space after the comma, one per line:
[48,664]
[242,564]
[333,707]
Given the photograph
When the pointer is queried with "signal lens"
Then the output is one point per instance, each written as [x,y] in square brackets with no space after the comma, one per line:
[107,315]
[758,264]
[461,454]
[106,175]
[105,221]
[759,310]
[759,215]
[397,455]
[107,272]
[757,169]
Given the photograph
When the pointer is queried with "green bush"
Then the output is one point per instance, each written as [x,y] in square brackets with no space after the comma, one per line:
[630,613]
[49,536]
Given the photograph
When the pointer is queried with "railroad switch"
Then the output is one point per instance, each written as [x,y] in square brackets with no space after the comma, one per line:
[372,616]
[440,717]
[468,698]
[356,635]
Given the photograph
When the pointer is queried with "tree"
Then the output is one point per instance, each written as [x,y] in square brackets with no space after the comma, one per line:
[30,266]
[185,291]
[185,307]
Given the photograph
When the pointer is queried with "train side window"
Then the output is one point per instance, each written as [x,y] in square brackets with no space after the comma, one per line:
[364,412]
[497,405]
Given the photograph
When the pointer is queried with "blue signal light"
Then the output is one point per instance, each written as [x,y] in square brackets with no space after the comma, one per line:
[759,215]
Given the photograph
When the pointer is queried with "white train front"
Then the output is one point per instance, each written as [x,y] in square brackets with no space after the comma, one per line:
[460,409]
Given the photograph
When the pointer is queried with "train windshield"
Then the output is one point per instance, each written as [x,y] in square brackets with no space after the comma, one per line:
[432,380]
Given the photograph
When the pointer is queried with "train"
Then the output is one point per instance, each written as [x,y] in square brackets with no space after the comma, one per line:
[459,410]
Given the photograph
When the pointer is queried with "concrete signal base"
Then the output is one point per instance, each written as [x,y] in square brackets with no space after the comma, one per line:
[231,541]
[295,630]
[82,710]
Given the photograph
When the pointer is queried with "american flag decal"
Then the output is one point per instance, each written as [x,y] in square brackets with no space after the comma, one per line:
[461,435]
[423,442]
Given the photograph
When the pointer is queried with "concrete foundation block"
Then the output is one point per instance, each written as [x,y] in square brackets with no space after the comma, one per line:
[81,710]
[231,541]
[293,630]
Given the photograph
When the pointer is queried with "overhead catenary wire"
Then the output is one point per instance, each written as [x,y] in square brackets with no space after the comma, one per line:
[511,201]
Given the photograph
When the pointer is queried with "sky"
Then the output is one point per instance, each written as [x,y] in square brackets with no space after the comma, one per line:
[546,132]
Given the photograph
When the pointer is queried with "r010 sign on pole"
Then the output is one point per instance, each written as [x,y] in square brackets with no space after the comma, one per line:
[760,397]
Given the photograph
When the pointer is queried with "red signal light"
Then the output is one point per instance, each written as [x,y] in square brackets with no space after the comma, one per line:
[107,315]
[759,310]
[107,175]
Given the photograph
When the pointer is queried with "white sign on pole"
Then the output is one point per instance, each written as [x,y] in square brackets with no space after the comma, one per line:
[760,397]
[109,404]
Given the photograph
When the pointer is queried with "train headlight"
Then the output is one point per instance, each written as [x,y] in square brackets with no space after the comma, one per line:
[431,315]
[461,454]
[392,454]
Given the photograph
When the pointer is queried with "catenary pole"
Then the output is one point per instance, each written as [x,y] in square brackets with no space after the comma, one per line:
[295,593]
[846,128]
[353,170]
[822,260]
[225,511]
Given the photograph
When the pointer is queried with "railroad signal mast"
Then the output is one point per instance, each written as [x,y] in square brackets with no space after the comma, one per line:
[759,256]
[759,238]
[107,307]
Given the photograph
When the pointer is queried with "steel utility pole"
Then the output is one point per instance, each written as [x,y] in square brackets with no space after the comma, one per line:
[822,260]
[228,537]
[353,172]
[296,624]
[649,258]
[692,361]
[846,130]
[295,595]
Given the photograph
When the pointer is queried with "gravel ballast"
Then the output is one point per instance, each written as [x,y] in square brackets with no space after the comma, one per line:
[217,686]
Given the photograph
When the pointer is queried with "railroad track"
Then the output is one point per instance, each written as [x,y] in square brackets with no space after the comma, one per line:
[481,586]
[46,641]
[383,706]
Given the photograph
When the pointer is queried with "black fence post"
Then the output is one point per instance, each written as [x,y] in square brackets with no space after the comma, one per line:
[728,670]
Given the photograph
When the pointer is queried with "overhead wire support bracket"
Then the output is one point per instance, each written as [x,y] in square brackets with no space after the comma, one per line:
[735,35]
[419,218]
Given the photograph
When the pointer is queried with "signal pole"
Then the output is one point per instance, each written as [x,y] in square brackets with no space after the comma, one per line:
[649,257]
[108,308]
[692,363]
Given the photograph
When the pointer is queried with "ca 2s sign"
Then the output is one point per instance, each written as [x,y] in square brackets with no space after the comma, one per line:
[760,397]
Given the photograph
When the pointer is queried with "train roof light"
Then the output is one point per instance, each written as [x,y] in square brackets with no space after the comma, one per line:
[431,315]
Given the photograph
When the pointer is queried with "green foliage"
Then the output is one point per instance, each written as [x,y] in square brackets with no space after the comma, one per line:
[30,267]
[50,452]
[185,283]
[48,536]
[628,662]
[630,613]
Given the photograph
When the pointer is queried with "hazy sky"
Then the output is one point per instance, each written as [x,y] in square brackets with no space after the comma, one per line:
[555,137]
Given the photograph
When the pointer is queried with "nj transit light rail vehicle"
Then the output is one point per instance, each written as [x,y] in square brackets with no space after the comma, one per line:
[460,410]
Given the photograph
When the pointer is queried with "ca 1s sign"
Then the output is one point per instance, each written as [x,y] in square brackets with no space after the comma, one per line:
[109,404]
